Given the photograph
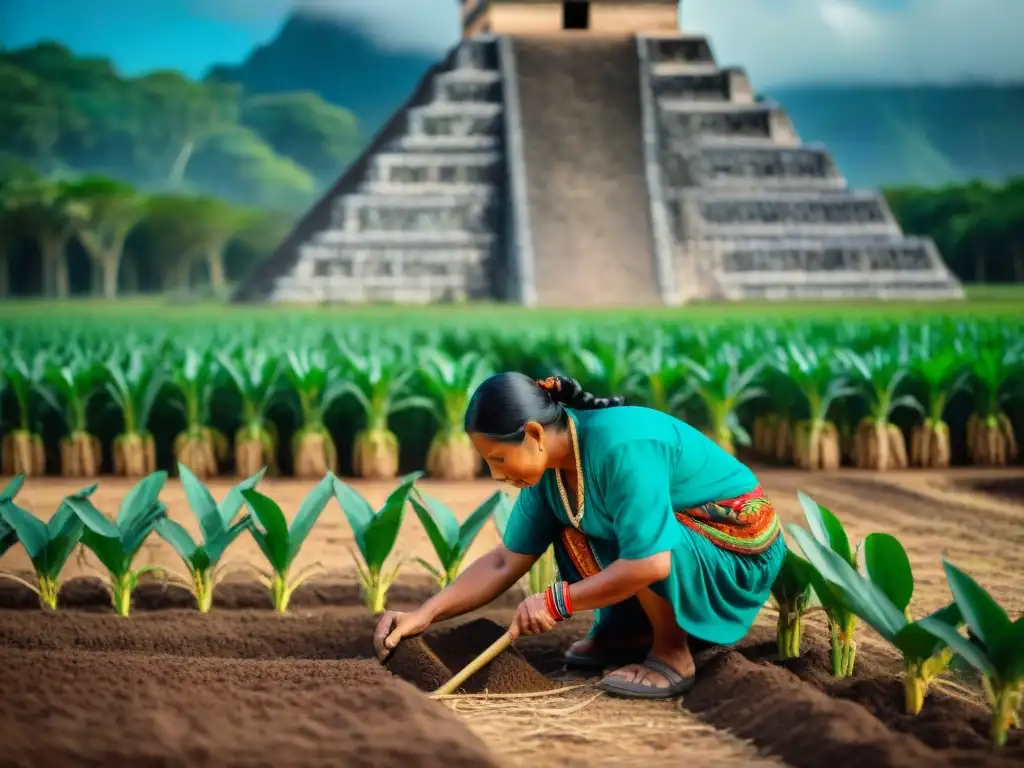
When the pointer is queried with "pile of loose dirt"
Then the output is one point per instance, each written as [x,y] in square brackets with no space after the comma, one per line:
[100,709]
[430,660]
[320,633]
[800,713]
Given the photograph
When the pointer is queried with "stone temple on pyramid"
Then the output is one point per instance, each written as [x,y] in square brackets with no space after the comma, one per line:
[588,154]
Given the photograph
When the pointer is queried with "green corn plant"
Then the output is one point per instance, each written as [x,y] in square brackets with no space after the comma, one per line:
[723,384]
[878,375]
[883,602]
[381,386]
[375,534]
[199,446]
[49,545]
[793,593]
[995,650]
[116,544]
[543,573]
[600,365]
[817,383]
[991,441]
[133,384]
[23,450]
[316,382]
[658,374]
[69,388]
[219,527]
[450,539]
[451,382]
[842,622]
[942,374]
[280,543]
[256,376]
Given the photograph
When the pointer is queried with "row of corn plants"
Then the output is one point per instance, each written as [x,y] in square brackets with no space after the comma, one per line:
[873,583]
[241,397]
[829,575]
[116,539]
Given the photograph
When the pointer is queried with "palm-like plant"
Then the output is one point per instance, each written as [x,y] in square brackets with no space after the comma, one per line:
[23,450]
[199,447]
[380,384]
[255,375]
[133,384]
[942,374]
[878,375]
[991,440]
[723,383]
[451,382]
[818,383]
[69,388]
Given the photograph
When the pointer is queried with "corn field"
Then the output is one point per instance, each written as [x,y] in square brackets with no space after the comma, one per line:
[372,400]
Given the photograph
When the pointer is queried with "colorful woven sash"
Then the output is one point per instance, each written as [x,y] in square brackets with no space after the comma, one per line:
[747,525]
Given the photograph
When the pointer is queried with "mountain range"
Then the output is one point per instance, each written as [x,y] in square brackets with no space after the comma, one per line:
[880,135]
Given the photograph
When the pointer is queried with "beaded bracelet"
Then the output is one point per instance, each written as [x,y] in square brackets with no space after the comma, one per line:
[558,602]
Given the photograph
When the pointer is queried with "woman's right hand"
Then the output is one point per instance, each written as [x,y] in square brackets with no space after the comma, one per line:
[393,627]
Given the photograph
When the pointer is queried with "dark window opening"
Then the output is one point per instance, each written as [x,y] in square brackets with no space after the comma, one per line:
[575,14]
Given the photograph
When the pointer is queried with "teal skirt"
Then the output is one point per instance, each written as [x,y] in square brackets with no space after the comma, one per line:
[716,594]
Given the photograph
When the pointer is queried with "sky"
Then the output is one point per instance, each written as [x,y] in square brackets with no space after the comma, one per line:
[777,41]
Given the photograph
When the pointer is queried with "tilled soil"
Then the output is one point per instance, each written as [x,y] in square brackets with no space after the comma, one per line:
[243,686]
[798,711]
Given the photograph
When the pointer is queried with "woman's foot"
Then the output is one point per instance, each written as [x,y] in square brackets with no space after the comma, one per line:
[677,659]
[599,653]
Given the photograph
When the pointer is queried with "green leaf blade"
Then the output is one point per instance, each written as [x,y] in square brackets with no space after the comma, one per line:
[382,533]
[309,512]
[986,618]
[889,568]
[273,538]
[202,503]
[473,524]
[31,532]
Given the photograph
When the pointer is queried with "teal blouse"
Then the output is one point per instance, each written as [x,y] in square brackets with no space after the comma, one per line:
[639,467]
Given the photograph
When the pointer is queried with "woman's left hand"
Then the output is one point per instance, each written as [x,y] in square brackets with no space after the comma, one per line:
[532,617]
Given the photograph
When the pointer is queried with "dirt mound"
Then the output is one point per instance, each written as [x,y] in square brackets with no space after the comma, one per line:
[798,712]
[1006,488]
[100,709]
[430,660]
[321,633]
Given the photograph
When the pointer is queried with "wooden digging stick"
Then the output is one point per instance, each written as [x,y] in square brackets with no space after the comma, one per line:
[481,661]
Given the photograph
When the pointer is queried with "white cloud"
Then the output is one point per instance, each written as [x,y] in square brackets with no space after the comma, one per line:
[777,41]
[780,41]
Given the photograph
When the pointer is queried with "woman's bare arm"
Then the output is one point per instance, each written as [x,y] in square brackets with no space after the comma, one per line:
[619,581]
[484,580]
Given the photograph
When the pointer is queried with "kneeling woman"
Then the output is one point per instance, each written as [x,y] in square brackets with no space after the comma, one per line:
[661,532]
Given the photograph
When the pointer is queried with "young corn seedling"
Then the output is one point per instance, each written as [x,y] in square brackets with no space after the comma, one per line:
[133,384]
[199,447]
[722,385]
[842,622]
[116,544]
[255,375]
[281,543]
[793,593]
[996,649]
[48,544]
[882,600]
[219,527]
[991,441]
[942,374]
[375,534]
[543,573]
[381,385]
[659,374]
[450,539]
[69,388]
[817,383]
[878,376]
[316,383]
[23,452]
[451,382]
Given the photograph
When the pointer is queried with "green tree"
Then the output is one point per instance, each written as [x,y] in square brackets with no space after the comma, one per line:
[30,117]
[236,164]
[51,215]
[109,211]
[304,128]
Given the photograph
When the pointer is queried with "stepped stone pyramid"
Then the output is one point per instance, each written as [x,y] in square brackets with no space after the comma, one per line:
[588,154]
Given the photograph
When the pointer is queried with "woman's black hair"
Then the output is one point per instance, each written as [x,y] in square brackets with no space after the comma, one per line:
[503,404]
